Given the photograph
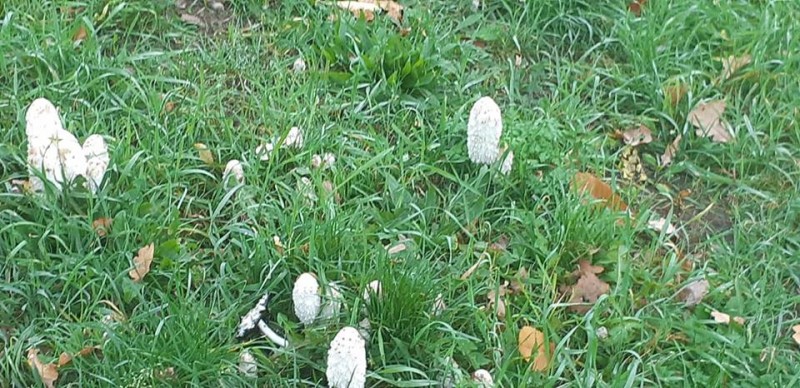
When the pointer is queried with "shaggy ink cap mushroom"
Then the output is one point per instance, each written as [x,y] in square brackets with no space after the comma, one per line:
[347,360]
[254,322]
[306,298]
[483,131]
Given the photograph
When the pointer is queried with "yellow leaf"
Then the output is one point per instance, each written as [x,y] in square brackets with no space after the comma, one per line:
[142,263]
[47,372]
[585,182]
[205,154]
[532,340]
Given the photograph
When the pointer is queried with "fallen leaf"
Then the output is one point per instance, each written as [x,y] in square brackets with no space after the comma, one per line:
[165,374]
[193,20]
[169,106]
[205,154]
[278,245]
[707,118]
[530,340]
[395,249]
[660,225]
[639,135]
[497,301]
[739,320]
[721,317]
[732,64]
[102,226]
[501,245]
[65,358]
[669,153]
[471,270]
[47,372]
[583,182]
[518,283]
[588,288]
[694,292]
[796,335]
[635,7]
[675,93]
[631,165]
[142,263]
[368,8]
[80,34]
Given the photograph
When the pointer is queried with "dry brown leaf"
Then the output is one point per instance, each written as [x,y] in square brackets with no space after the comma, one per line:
[64,359]
[205,154]
[675,93]
[169,106]
[635,7]
[721,317]
[584,182]
[732,64]
[530,340]
[796,335]
[501,245]
[278,245]
[588,288]
[694,292]
[707,118]
[393,9]
[518,283]
[80,34]
[739,320]
[142,262]
[395,249]
[368,8]
[192,19]
[471,270]
[660,225]
[669,153]
[102,226]
[47,372]
[639,135]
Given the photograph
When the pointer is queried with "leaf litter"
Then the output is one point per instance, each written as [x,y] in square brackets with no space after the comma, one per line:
[532,340]
[706,117]
[585,292]
[142,263]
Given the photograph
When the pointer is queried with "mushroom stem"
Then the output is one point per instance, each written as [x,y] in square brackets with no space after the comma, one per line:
[273,336]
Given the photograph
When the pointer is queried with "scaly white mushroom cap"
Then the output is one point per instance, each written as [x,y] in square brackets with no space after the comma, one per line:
[347,360]
[96,152]
[250,320]
[333,302]
[234,169]
[483,131]
[247,364]
[51,149]
[483,377]
[306,298]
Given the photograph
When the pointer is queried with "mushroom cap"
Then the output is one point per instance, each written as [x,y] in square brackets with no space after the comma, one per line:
[373,288]
[249,322]
[294,138]
[306,298]
[247,364]
[234,169]
[483,377]
[483,131]
[96,152]
[51,149]
[347,360]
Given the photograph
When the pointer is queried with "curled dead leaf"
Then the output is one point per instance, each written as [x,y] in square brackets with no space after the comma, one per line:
[732,64]
[669,153]
[47,372]
[80,34]
[796,335]
[517,285]
[584,182]
[102,226]
[707,119]
[694,292]
[532,340]
[142,263]
[636,136]
[588,288]
[278,245]
[635,7]
[674,93]
[205,153]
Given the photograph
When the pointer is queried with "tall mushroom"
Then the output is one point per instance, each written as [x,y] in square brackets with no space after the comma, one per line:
[347,360]
[306,298]
[483,131]
[254,319]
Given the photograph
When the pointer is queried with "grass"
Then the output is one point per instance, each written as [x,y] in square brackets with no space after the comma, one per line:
[393,110]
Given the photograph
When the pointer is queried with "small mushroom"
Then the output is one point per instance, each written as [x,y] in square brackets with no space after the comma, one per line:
[483,131]
[306,298]
[483,378]
[247,364]
[264,151]
[294,139]
[51,149]
[299,65]
[233,169]
[373,288]
[96,152]
[347,360]
[254,319]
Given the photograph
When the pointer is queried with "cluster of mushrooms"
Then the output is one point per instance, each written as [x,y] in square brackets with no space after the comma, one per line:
[56,154]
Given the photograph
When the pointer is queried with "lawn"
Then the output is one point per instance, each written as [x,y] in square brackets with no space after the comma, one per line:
[179,88]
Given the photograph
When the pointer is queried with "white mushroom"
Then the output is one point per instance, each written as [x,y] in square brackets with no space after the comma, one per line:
[264,151]
[299,65]
[51,149]
[294,139]
[253,320]
[483,377]
[347,360]
[333,302]
[247,364]
[483,131]
[373,288]
[438,306]
[306,298]
[233,169]
[96,152]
